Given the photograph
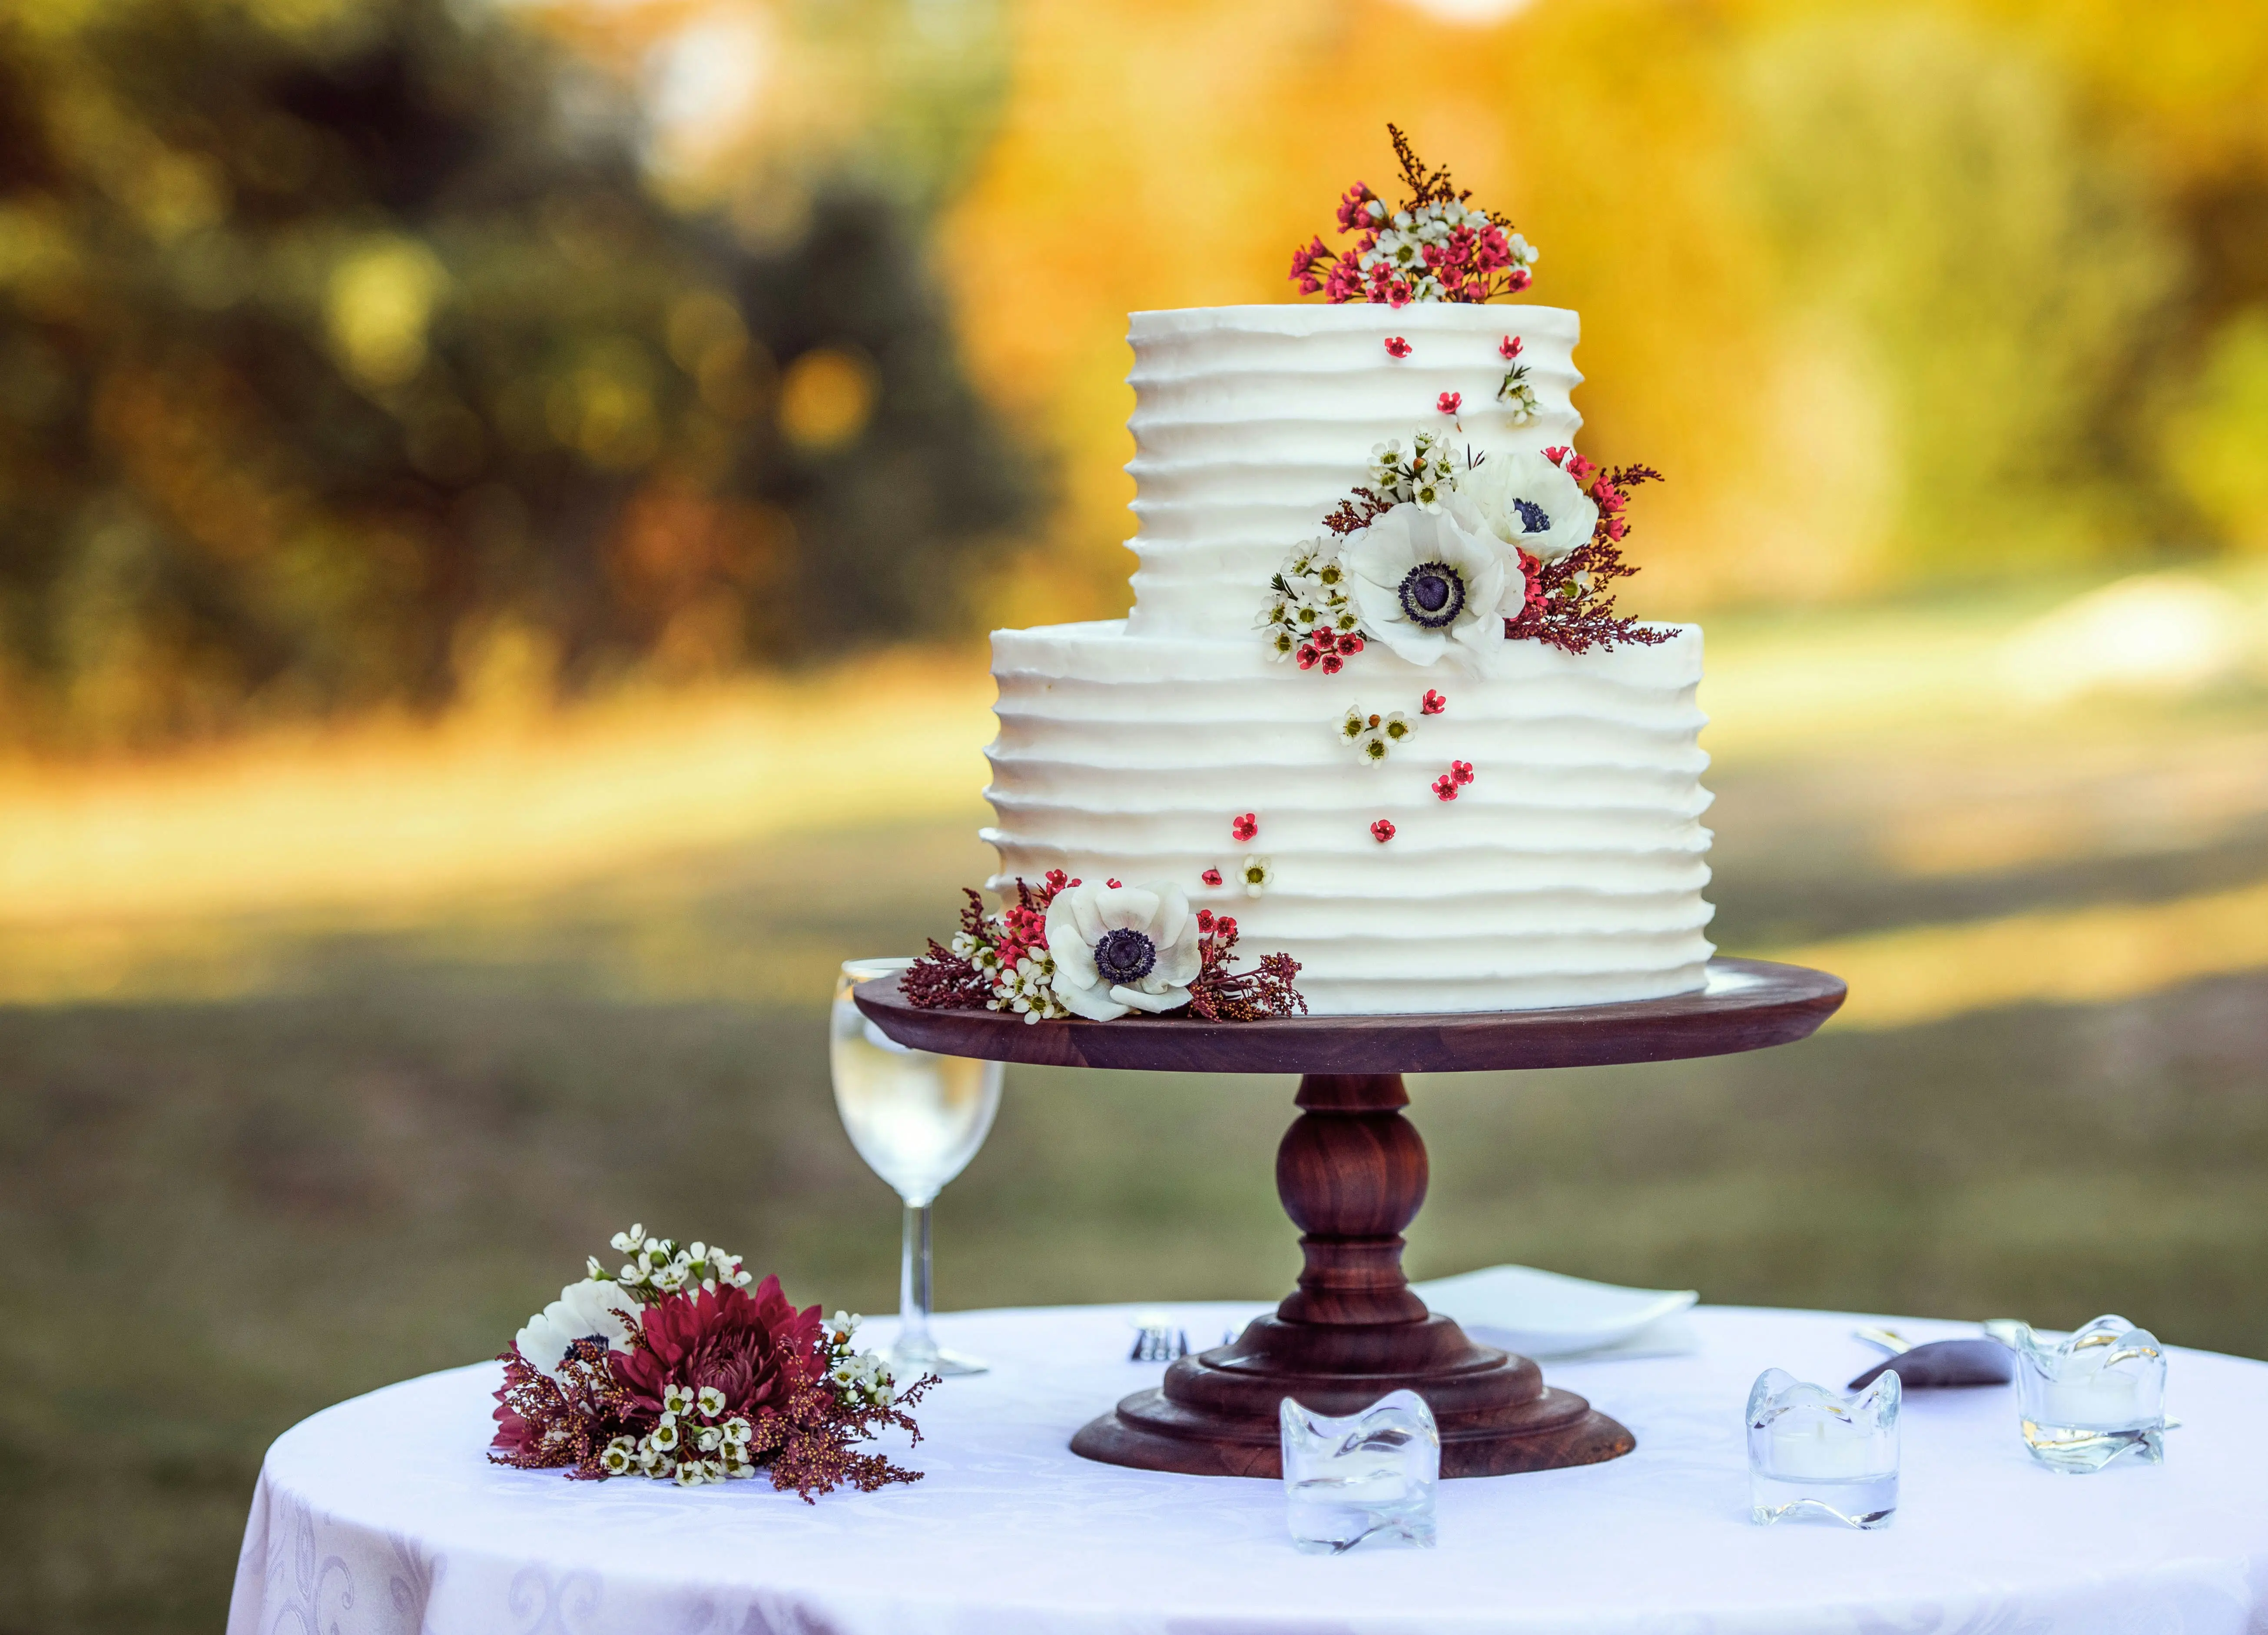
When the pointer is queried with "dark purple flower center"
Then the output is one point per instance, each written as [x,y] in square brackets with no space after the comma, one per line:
[1433,595]
[1533,518]
[1124,956]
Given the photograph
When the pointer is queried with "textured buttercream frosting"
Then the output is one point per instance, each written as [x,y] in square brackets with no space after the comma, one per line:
[1569,871]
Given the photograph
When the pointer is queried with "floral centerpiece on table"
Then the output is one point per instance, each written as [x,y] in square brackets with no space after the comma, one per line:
[1067,948]
[672,1369]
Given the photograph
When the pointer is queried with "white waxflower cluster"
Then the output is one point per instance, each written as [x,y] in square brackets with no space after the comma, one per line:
[1426,476]
[860,1379]
[1307,597]
[1402,241]
[1372,736]
[1023,985]
[658,1266]
[1518,396]
[695,1441]
[1028,988]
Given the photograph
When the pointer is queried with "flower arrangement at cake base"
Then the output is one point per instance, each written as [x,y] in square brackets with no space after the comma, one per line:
[1067,948]
[672,1369]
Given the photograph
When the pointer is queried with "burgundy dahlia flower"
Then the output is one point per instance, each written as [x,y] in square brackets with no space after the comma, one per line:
[755,1350]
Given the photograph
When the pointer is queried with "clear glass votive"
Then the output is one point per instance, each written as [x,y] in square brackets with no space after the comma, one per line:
[1817,1455]
[1370,1476]
[2095,1396]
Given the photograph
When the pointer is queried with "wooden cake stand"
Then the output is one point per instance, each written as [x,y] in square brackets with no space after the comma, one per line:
[1351,1175]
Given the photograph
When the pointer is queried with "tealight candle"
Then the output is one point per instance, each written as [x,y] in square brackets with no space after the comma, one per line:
[2105,1401]
[1820,1450]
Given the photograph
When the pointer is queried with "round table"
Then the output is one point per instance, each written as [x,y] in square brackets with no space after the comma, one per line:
[381,1514]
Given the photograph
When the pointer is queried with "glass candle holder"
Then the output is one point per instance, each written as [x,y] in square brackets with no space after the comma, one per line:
[2094,1396]
[1817,1455]
[1370,1476]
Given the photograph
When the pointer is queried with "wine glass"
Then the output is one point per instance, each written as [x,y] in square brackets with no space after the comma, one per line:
[916,1119]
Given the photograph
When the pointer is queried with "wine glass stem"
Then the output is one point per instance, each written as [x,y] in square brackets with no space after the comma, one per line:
[913,1284]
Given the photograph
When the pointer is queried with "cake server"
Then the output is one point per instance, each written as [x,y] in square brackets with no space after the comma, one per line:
[1979,1361]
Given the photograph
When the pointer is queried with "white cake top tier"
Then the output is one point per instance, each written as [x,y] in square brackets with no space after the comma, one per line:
[1251,423]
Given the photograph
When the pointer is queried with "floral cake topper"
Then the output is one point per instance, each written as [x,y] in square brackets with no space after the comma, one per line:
[1432,246]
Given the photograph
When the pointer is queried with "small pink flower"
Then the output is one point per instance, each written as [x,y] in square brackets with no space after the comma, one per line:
[1434,704]
[1396,347]
[1244,828]
[1509,348]
[1558,456]
[1382,830]
[1113,883]
[1460,771]
[1351,643]
[1212,877]
[1333,664]
[1449,401]
[1307,656]
[1204,916]
[1444,787]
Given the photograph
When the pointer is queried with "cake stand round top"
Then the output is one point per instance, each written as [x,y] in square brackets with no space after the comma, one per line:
[1745,1005]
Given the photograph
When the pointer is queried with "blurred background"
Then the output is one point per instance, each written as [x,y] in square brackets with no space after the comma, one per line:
[499,503]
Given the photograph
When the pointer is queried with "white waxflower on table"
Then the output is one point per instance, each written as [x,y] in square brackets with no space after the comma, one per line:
[1527,501]
[1430,585]
[1121,948]
[592,1309]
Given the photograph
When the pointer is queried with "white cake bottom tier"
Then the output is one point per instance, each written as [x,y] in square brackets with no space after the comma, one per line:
[1568,871]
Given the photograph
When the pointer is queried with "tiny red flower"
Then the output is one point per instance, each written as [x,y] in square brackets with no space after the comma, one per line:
[1333,664]
[1350,645]
[1396,347]
[1307,656]
[1461,771]
[1444,787]
[1245,827]
[1509,347]
[1434,704]
[1112,884]
[1212,877]
[1448,401]
[1058,880]
[1382,830]
[1223,927]
[1204,916]
[1558,455]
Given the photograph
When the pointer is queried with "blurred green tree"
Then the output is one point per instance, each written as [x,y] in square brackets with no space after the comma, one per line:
[347,356]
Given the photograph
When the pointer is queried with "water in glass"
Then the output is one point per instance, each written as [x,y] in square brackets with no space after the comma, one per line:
[916,1119]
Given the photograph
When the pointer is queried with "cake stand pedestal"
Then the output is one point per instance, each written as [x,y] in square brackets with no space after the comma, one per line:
[1351,1175]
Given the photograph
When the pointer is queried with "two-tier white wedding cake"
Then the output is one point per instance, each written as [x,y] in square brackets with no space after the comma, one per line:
[1434,816]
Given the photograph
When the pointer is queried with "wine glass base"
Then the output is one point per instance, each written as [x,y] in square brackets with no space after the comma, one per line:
[937,1360]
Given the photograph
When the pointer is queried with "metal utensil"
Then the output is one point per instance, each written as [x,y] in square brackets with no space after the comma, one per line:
[1978,1361]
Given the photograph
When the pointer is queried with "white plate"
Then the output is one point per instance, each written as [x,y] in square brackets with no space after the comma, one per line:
[1544,1313]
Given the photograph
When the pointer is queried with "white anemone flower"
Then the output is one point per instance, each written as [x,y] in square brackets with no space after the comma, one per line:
[1524,500]
[592,1309]
[1430,583]
[1121,948]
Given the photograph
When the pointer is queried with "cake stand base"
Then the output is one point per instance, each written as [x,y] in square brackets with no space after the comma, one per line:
[1352,1172]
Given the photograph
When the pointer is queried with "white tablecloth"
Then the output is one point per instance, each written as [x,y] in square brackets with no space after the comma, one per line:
[381,1514]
